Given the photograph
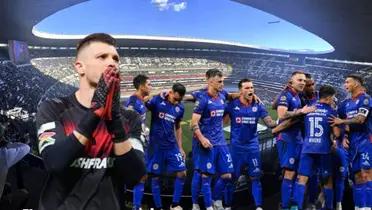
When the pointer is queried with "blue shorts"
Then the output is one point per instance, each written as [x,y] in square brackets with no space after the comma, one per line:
[340,162]
[161,161]
[310,163]
[195,149]
[363,157]
[289,154]
[242,159]
[215,160]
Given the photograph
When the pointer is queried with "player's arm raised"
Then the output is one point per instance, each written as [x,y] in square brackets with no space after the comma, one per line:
[284,125]
[284,114]
[359,118]
[188,97]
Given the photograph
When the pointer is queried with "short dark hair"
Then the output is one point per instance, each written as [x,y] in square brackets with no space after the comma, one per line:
[326,91]
[179,88]
[96,37]
[298,72]
[212,73]
[356,77]
[240,84]
[139,80]
[308,76]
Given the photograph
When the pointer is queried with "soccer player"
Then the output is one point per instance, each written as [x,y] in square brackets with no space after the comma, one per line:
[196,178]
[309,97]
[316,149]
[340,161]
[357,109]
[143,87]
[207,126]
[289,141]
[82,139]
[244,114]
[136,102]
[165,152]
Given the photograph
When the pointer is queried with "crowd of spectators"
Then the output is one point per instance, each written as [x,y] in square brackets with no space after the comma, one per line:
[46,77]
[21,86]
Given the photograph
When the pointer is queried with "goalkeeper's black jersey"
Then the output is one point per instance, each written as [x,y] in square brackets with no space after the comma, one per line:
[88,179]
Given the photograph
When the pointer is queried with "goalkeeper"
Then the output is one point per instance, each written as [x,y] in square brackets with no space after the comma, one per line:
[83,137]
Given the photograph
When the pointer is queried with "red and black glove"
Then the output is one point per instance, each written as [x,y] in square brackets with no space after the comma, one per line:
[101,105]
[116,124]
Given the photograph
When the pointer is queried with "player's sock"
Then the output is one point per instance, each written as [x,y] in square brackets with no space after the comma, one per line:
[138,194]
[229,193]
[286,192]
[219,186]
[206,189]
[313,189]
[339,189]
[155,188]
[298,194]
[357,195]
[369,194]
[178,188]
[195,187]
[257,191]
[328,194]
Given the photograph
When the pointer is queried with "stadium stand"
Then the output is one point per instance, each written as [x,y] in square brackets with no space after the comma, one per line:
[51,74]
[54,75]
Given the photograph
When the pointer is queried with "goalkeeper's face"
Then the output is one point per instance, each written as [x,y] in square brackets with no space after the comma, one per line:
[94,59]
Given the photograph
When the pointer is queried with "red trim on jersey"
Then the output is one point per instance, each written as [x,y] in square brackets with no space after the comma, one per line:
[358,95]
[292,90]
[100,146]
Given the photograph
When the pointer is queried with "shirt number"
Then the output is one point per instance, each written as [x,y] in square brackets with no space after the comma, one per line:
[316,129]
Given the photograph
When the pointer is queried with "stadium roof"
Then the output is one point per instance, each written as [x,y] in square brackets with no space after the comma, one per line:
[344,24]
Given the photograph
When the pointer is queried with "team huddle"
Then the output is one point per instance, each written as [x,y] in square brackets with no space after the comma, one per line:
[317,141]
[93,148]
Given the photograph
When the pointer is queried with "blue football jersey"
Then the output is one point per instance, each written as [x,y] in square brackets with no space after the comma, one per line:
[341,109]
[318,130]
[353,107]
[244,120]
[291,100]
[211,110]
[164,115]
[137,105]
[369,121]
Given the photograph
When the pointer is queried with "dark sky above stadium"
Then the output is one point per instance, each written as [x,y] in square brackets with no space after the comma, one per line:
[222,20]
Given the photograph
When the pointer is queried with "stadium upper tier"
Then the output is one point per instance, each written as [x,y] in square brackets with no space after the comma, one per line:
[47,77]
